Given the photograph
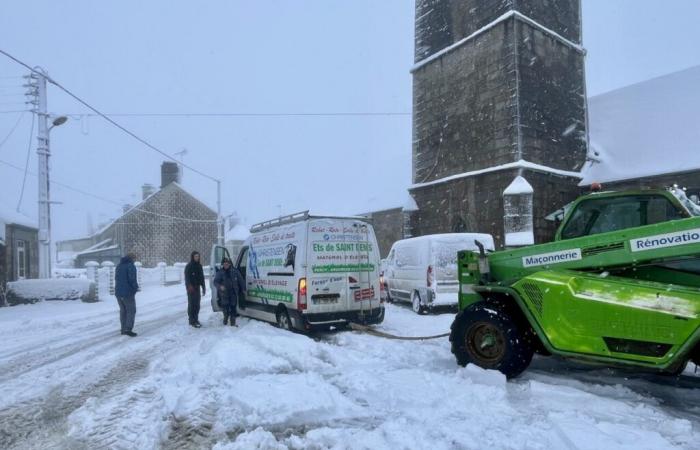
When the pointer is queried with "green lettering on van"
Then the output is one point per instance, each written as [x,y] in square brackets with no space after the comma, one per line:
[337,268]
[270,294]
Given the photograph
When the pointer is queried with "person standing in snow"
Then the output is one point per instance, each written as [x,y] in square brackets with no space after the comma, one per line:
[194,280]
[229,283]
[126,286]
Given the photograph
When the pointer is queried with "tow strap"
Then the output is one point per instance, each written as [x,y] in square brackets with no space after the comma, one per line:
[372,331]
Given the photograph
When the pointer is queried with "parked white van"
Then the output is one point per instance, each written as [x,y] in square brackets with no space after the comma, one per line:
[423,270]
[309,272]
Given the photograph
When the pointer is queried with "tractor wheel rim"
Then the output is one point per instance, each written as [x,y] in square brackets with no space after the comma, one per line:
[486,342]
[416,303]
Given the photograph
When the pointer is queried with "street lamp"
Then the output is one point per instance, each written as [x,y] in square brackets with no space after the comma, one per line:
[58,121]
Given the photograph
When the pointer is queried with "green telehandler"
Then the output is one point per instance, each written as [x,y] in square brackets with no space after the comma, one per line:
[620,285]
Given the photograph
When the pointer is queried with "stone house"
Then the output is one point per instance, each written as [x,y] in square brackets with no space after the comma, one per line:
[166,226]
[19,247]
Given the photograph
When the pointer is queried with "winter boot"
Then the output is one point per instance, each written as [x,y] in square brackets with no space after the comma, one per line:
[197,325]
[225,320]
[233,321]
[129,333]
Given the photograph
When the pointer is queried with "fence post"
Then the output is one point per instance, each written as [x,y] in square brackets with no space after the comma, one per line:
[139,274]
[91,268]
[110,270]
[181,272]
[162,266]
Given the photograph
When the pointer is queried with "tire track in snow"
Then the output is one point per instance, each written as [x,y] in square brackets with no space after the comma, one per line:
[29,349]
[42,422]
[37,423]
[98,342]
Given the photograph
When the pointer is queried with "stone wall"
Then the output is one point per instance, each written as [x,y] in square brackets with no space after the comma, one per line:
[475,204]
[464,108]
[388,227]
[512,92]
[552,100]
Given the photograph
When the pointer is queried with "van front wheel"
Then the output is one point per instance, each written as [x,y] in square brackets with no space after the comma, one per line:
[418,307]
[283,320]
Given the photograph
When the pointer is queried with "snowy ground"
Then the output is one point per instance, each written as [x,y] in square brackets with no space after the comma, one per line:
[69,380]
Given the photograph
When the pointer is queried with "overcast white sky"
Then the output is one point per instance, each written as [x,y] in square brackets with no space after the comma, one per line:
[264,56]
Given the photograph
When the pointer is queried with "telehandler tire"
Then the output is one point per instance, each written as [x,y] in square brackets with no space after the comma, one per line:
[488,337]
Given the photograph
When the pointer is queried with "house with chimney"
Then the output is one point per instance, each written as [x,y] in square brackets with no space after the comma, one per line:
[166,226]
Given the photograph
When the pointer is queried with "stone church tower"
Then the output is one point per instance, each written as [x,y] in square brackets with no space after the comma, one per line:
[498,93]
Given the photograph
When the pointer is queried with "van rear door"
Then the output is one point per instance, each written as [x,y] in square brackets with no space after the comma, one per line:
[343,266]
[362,256]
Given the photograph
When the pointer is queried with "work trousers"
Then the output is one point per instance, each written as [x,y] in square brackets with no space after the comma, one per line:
[193,304]
[127,312]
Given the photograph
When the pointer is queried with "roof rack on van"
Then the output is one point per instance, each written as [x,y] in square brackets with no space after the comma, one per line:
[282,220]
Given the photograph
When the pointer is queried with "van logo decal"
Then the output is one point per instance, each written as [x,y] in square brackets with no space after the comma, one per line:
[552,258]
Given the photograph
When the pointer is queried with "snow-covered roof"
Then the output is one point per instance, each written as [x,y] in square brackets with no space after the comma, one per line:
[518,186]
[650,128]
[9,216]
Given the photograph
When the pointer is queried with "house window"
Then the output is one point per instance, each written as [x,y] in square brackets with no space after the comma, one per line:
[21,259]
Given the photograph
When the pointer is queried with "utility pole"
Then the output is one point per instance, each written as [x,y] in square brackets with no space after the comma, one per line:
[37,89]
[38,80]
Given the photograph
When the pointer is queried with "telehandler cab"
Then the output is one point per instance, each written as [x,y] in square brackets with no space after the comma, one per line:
[620,285]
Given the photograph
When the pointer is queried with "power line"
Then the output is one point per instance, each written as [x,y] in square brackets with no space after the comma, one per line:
[107,118]
[251,114]
[26,164]
[15,111]
[12,130]
[97,197]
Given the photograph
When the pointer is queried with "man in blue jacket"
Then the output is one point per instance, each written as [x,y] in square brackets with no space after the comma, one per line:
[126,286]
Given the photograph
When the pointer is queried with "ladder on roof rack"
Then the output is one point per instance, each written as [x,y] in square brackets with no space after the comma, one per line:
[282,220]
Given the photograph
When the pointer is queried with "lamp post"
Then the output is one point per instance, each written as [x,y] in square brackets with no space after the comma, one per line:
[43,152]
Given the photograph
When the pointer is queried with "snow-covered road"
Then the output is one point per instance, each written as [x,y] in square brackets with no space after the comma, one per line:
[69,380]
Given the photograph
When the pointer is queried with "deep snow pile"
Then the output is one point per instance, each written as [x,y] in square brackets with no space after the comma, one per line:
[23,291]
[259,387]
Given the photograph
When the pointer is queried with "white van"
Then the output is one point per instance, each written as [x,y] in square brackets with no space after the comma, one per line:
[309,272]
[423,270]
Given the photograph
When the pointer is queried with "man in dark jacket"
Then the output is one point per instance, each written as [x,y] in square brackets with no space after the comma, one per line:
[230,286]
[194,280]
[126,286]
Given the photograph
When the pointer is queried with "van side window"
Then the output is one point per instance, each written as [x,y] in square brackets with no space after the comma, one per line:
[243,262]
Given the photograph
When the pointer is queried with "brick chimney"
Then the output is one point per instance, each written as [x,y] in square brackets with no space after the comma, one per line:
[169,173]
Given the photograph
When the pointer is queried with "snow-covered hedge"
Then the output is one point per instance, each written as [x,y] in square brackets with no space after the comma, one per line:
[32,291]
